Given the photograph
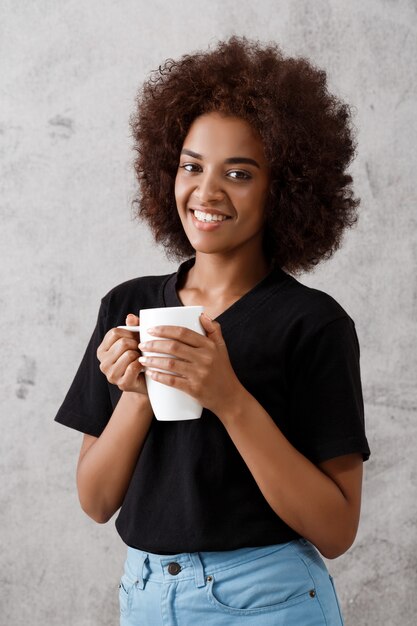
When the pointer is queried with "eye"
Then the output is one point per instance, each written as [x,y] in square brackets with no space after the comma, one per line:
[239,175]
[191,167]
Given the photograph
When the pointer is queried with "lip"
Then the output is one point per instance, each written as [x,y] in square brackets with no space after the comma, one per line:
[207,226]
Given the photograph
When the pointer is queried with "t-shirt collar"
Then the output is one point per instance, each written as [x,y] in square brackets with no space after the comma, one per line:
[170,295]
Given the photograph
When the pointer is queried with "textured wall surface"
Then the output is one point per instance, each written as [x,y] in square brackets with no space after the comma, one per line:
[69,72]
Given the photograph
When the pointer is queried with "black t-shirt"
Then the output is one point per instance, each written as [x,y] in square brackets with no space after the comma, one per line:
[294,349]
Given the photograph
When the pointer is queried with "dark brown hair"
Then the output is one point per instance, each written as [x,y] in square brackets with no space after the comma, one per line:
[306,132]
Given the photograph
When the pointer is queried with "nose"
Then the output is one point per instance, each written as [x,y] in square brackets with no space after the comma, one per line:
[209,187]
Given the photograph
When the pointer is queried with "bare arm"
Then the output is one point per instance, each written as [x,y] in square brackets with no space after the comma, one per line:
[106,463]
[322,503]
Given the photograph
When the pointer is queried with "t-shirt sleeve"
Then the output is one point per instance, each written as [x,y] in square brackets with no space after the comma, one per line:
[88,406]
[327,411]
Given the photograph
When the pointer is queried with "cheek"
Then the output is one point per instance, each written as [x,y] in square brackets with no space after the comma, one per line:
[259,198]
[252,202]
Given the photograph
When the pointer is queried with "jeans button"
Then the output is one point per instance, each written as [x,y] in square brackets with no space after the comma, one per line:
[174,568]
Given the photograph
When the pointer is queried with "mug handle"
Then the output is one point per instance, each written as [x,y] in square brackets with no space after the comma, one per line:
[135,329]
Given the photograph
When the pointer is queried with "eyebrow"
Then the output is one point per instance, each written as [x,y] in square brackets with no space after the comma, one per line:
[234,160]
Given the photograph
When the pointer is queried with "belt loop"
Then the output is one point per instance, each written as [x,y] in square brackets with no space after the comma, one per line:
[198,569]
[141,566]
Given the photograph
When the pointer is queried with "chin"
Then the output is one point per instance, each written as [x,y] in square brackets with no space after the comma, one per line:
[206,248]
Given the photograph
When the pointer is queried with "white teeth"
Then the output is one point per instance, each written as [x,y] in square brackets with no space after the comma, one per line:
[209,217]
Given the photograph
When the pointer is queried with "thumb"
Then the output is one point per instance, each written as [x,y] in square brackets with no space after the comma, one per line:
[212,328]
[132,320]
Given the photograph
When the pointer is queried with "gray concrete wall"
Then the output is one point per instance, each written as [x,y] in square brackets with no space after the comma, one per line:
[69,72]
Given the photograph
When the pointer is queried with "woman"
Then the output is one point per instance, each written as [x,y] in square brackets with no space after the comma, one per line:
[241,164]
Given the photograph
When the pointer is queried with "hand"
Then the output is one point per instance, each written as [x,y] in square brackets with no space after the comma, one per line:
[203,364]
[118,354]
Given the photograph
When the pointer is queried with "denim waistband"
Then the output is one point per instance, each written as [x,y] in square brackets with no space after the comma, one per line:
[145,566]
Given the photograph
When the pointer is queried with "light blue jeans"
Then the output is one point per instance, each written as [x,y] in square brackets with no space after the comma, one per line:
[280,585]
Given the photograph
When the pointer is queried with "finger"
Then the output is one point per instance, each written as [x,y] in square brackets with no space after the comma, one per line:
[123,344]
[180,333]
[169,346]
[135,383]
[179,382]
[113,335]
[212,328]
[132,320]
[132,374]
[171,364]
[115,371]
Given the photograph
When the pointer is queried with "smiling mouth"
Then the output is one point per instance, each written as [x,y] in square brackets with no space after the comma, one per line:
[205,217]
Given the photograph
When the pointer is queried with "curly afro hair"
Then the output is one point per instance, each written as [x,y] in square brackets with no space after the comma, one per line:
[306,132]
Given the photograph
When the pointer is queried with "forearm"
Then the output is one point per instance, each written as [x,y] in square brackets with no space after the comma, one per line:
[301,494]
[105,470]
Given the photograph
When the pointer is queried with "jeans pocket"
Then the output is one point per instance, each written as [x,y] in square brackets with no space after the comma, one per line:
[274,582]
[255,610]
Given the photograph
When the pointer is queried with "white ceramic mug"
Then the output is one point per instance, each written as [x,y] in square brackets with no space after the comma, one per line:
[169,403]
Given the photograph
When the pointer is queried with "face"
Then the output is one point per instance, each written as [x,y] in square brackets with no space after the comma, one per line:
[222,176]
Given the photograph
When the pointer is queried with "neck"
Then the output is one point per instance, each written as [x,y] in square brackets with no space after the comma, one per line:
[218,275]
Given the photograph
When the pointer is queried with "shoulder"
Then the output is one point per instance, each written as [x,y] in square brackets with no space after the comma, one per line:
[315,325]
[310,310]
[132,295]
[145,284]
